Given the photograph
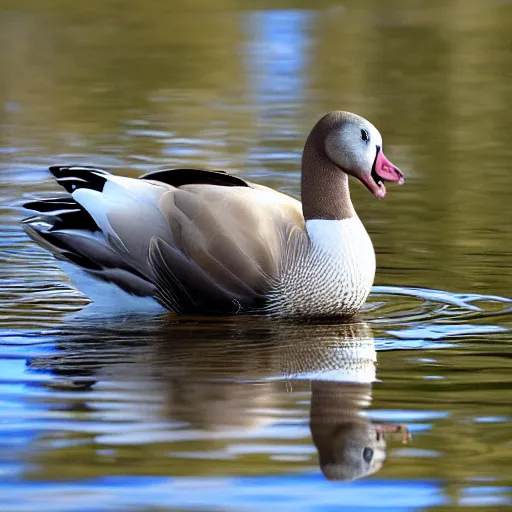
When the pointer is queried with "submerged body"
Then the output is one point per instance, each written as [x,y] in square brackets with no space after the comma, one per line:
[207,242]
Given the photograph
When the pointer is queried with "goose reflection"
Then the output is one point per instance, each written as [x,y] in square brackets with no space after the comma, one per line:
[226,380]
[349,445]
[341,370]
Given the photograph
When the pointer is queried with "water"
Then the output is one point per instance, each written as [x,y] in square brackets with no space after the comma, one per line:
[240,414]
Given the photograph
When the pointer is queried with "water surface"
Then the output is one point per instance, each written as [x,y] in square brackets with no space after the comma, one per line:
[156,413]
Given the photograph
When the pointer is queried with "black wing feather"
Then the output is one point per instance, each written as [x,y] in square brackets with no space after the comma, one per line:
[75,177]
[185,176]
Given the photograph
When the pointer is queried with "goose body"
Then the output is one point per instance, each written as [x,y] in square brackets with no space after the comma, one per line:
[206,242]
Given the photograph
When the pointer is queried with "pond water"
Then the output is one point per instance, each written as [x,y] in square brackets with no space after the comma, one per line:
[158,413]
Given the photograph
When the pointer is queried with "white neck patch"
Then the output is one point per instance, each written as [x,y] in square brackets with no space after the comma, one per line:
[332,236]
[346,244]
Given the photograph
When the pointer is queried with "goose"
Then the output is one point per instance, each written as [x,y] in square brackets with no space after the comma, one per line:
[206,242]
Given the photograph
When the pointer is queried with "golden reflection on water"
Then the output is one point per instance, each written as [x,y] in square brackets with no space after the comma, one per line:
[235,87]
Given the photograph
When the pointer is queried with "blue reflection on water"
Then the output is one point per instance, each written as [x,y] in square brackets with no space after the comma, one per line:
[276,56]
[15,404]
[307,492]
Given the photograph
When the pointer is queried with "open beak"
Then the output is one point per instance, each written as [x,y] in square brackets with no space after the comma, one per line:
[382,170]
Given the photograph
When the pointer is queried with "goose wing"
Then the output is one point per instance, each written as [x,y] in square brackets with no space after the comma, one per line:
[196,240]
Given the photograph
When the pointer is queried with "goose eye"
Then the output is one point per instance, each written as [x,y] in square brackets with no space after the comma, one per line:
[367,454]
[365,135]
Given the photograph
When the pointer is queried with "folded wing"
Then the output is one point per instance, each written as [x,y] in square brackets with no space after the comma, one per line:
[212,243]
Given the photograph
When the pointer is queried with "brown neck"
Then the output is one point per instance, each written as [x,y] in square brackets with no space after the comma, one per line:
[324,187]
[338,402]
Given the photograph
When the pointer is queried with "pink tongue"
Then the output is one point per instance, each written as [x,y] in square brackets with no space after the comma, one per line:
[386,170]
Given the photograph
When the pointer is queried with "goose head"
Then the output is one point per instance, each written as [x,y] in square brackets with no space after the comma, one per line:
[342,144]
[354,145]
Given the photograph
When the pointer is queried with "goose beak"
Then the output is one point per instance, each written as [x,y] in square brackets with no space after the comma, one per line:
[382,170]
[386,170]
[401,430]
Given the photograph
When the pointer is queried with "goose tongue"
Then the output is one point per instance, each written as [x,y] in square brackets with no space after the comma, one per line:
[383,170]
